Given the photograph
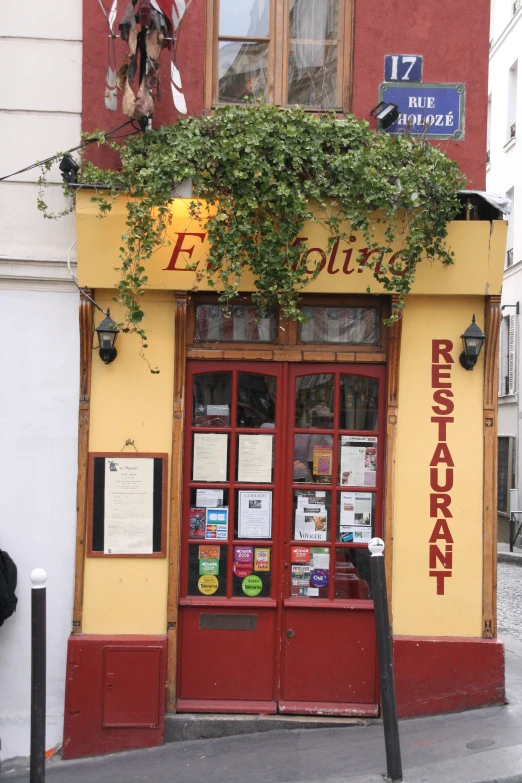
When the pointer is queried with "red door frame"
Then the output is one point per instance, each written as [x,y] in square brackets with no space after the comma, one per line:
[280,542]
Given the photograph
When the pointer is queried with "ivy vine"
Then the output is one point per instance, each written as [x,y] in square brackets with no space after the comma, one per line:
[264,172]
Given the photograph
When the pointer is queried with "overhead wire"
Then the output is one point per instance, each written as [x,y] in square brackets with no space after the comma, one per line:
[84,143]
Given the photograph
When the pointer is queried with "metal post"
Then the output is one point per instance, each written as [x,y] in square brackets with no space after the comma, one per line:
[384,650]
[38,674]
[511,531]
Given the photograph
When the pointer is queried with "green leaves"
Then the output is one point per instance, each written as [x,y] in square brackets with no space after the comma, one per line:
[267,171]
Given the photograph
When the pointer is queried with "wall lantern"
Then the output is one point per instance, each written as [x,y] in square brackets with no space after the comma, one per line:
[385,114]
[472,340]
[69,170]
[107,334]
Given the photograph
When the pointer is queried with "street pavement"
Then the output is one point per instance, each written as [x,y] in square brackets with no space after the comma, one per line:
[477,746]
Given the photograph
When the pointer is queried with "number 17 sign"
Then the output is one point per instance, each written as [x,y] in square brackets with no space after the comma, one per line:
[403,68]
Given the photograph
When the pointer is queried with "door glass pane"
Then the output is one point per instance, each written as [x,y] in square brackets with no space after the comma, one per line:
[352,577]
[310,571]
[313,458]
[245,19]
[357,461]
[347,325]
[253,515]
[211,405]
[314,407]
[256,400]
[255,459]
[359,399]
[252,569]
[311,515]
[235,323]
[355,517]
[200,500]
[207,570]
[243,71]
[312,65]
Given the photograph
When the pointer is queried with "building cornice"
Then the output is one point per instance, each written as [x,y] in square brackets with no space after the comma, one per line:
[504,34]
[31,274]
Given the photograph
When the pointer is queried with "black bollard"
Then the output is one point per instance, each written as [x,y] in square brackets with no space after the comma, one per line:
[384,650]
[38,675]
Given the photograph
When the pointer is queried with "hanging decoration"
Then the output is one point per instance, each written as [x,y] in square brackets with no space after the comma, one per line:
[148,27]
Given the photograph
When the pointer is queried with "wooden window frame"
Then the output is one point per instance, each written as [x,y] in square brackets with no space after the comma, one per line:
[278,50]
[286,346]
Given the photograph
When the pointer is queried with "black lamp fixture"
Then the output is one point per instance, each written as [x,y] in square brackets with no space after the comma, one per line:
[385,114]
[69,169]
[107,333]
[472,340]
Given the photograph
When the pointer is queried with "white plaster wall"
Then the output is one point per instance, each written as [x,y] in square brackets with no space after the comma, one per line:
[40,105]
[38,465]
[505,172]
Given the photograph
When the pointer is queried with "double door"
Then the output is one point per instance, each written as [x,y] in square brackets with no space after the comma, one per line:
[283,474]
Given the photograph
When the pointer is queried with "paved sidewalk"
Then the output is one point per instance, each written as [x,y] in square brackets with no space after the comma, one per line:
[477,746]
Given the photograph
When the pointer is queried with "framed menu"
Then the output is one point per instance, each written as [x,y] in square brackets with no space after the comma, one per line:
[127,504]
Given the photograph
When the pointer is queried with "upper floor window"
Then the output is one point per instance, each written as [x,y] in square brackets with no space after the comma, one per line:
[285,52]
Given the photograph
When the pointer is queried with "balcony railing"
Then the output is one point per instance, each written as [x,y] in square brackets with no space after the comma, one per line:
[513,131]
[488,156]
[509,258]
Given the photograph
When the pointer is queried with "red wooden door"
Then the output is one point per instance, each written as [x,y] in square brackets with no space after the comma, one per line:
[282,491]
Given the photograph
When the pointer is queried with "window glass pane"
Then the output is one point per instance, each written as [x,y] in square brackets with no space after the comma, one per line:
[243,71]
[200,500]
[211,403]
[353,579]
[244,19]
[359,401]
[312,65]
[256,400]
[315,401]
[313,458]
[207,570]
[311,515]
[310,571]
[347,325]
[252,570]
[355,517]
[236,323]
[357,461]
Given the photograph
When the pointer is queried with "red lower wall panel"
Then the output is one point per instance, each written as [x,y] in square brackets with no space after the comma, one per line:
[447,674]
[115,694]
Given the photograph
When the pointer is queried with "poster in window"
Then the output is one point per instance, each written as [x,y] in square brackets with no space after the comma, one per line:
[210,457]
[255,514]
[358,464]
[255,458]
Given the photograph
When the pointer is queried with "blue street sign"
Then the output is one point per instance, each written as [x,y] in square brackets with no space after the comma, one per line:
[403,68]
[433,110]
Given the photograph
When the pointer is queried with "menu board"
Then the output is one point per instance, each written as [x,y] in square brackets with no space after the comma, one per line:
[127,500]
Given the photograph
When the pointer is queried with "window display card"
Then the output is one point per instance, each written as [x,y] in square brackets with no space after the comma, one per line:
[216,523]
[262,559]
[209,551]
[311,526]
[209,566]
[255,458]
[198,518]
[209,462]
[255,514]
[356,534]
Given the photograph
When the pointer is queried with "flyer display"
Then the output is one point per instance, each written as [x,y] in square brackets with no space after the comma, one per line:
[311,518]
[198,518]
[355,516]
[128,506]
[254,514]
[209,498]
[358,461]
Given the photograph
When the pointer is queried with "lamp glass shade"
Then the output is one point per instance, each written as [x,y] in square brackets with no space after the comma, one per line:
[472,340]
[107,332]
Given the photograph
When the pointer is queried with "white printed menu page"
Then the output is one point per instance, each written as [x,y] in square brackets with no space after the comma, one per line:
[128,504]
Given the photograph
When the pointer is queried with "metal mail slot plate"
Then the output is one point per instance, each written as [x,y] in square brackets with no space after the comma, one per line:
[228,622]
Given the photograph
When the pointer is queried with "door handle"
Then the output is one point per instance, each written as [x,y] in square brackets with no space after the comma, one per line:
[290,633]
